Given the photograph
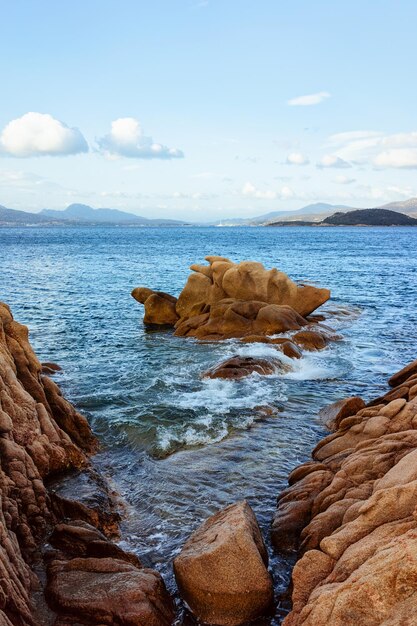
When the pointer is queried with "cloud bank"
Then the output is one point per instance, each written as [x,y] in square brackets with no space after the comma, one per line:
[40,134]
[126,139]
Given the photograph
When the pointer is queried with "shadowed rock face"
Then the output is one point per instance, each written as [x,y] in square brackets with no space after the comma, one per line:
[352,511]
[224,300]
[42,436]
[221,571]
[109,591]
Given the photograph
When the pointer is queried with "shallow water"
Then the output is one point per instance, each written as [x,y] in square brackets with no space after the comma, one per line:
[175,446]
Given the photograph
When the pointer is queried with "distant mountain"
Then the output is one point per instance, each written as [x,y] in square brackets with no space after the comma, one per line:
[12,216]
[85,213]
[370,217]
[318,210]
[311,209]
[404,206]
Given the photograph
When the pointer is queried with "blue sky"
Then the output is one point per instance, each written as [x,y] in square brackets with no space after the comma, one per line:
[192,108]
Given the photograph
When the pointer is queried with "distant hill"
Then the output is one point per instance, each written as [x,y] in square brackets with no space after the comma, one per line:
[12,216]
[403,206]
[370,217]
[85,213]
[317,210]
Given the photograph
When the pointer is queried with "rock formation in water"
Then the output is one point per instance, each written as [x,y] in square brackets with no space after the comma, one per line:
[89,580]
[224,300]
[241,366]
[221,571]
[352,514]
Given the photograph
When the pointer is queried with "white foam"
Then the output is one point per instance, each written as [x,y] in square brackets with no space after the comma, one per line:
[314,367]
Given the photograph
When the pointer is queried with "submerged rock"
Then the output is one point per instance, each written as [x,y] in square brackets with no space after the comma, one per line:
[241,366]
[310,340]
[351,513]
[221,571]
[224,300]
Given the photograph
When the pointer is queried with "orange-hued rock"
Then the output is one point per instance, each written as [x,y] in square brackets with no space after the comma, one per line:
[247,280]
[108,591]
[221,571]
[408,372]
[224,300]
[332,414]
[43,438]
[159,306]
[238,318]
[352,514]
[241,366]
[310,340]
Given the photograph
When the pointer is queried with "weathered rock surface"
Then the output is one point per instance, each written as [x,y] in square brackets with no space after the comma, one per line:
[236,318]
[108,591]
[332,414]
[239,367]
[224,300]
[160,307]
[352,514]
[41,437]
[221,571]
[246,281]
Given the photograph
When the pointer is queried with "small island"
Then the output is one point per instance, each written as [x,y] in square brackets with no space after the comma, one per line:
[359,217]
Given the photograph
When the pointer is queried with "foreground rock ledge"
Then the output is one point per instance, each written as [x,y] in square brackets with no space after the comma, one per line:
[90,579]
[225,300]
[221,571]
[352,514]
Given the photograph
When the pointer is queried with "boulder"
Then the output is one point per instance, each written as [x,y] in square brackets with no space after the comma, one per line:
[224,300]
[108,591]
[400,377]
[230,318]
[310,340]
[247,280]
[160,307]
[221,571]
[241,366]
[332,414]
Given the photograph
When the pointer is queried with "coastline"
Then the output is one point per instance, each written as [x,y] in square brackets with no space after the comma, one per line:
[350,513]
[344,511]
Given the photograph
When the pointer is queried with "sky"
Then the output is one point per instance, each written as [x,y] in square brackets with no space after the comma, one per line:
[209,109]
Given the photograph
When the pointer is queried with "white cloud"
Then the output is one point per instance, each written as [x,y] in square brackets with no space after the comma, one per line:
[296,158]
[402,158]
[126,139]
[40,134]
[331,160]
[398,150]
[250,190]
[309,100]
[343,180]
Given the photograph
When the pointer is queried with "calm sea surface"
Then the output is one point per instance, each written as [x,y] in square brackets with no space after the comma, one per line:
[175,446]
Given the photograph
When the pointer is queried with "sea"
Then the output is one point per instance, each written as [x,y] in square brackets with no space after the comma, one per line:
[178,447]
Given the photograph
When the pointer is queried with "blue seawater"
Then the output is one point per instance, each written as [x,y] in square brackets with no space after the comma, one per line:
[175,446]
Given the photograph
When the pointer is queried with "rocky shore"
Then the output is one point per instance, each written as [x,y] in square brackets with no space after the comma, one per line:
[348,515]
[351,513]
[58,563]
